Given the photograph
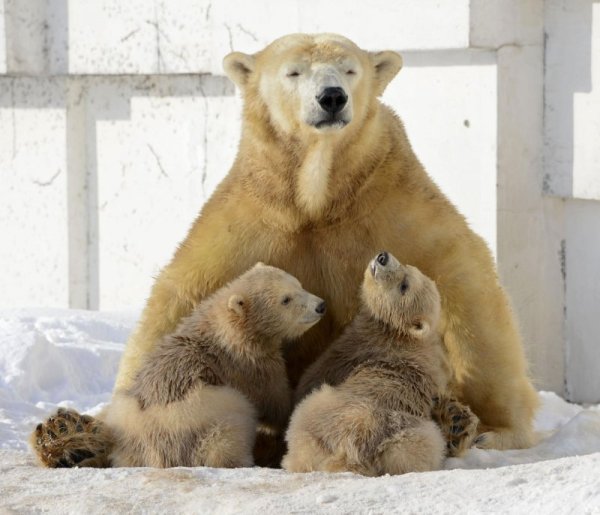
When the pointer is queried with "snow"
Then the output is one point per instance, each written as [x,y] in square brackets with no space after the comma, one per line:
[70,358]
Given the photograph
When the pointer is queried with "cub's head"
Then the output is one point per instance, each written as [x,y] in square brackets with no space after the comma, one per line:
[401,296]
[270,302]
[320,84]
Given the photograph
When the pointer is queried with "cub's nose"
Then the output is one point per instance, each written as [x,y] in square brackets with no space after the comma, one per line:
[320,309]
[383,258]
[332,100]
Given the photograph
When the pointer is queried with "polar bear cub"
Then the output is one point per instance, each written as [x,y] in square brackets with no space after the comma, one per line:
[373,414]
[200,394]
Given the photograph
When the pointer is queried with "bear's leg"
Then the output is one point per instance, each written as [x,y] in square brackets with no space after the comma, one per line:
[348,460]
[330,431]
[457,423]
[305,454]
[226,445]
[498,438]
[489,368]
[417,448]
[505,409]
[69,439]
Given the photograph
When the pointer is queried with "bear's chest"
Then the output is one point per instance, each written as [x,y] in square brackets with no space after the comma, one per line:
[331,261]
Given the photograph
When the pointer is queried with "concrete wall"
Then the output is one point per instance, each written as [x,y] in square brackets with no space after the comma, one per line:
[572,177]
[116,124]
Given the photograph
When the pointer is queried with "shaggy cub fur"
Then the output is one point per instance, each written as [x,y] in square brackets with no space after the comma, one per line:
[200,393]
[203,392]
[374,415]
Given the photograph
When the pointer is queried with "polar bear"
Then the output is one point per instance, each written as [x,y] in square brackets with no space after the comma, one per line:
[373,416]
[206,388]
[325,177]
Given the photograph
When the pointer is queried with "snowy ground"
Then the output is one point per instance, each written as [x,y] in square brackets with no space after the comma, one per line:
[69,358]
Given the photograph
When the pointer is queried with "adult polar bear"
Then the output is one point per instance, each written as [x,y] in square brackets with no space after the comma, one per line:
[324,179]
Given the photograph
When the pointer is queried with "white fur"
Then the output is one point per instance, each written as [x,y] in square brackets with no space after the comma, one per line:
[314,177]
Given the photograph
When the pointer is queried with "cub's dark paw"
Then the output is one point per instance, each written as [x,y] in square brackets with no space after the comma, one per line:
[457,422]
[69,439]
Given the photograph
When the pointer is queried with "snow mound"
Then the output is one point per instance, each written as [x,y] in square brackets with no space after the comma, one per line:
[70,358]
[52,357]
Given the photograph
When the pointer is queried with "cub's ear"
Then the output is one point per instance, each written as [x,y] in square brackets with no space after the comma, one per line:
[419,329]
[238,68]
[259,264]
[237,304]
[387,64]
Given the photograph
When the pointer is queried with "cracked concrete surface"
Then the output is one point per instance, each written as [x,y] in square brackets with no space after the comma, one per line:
[159,164]
[48,182]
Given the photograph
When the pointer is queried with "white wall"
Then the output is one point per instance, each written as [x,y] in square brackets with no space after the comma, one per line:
[116,124]
[33,202]
[572,177]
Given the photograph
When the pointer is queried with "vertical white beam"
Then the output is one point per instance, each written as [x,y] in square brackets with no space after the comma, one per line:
[572,171]
[583,300]
[78,215]
[530,233]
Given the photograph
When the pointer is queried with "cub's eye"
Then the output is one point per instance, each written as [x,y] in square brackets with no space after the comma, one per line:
[350,72]
[404,286]
[293,74]
[286,300]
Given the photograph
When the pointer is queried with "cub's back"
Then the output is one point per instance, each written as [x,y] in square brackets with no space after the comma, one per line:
[176,365]
[397,382]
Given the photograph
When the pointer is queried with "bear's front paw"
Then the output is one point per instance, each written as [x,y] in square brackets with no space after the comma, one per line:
[69,439]
[457,423]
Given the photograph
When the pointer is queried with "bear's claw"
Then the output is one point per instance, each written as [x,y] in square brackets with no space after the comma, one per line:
[68,439]
[457,422]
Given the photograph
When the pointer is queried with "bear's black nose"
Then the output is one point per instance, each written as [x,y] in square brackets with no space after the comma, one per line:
[332,100]
[321,308]
[383,258]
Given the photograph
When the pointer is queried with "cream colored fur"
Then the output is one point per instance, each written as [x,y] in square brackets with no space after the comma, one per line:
[326,430]
[414,449]
[314,177]
[212,426]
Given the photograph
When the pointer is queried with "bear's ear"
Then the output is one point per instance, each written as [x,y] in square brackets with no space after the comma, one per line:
[238,68]
[387,64]
[419,329]
[237,304]
[259,264]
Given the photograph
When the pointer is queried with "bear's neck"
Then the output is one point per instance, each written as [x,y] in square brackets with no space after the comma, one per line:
[313,178]
[317,181]
[388,333]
